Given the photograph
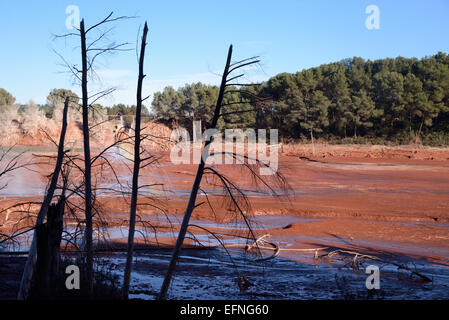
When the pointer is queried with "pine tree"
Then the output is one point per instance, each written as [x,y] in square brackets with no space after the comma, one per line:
[361,111]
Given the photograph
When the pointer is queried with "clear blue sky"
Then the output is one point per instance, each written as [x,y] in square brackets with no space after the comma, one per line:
[188,39]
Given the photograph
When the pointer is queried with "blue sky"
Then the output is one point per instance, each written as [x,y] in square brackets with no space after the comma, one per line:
[188,39]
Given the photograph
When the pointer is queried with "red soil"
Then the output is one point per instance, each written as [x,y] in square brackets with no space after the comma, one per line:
[395,199]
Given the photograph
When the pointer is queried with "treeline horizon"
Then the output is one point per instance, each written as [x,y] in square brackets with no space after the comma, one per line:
[392,100]
[55,102]
[399,100]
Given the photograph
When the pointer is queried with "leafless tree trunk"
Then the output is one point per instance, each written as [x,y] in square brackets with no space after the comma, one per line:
[196,185]
[418,134]
[30,265]
[137,161]
[313,143]
[91,50]
[49,237]
[87,163]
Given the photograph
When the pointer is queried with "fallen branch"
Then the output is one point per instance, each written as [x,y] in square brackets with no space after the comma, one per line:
[355,261]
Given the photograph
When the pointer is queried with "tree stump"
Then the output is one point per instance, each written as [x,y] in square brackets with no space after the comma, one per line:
[49,236]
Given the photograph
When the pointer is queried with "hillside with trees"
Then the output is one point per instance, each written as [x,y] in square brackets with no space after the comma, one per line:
[31,124]
[401,100]
[387,101]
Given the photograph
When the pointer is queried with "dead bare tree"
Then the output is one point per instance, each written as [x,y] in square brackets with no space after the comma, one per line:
[137,162]
[90,52]
[87,163]
[30,266]
[228,186]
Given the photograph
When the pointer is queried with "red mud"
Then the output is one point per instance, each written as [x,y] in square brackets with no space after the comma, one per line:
[373,200]
[379,195]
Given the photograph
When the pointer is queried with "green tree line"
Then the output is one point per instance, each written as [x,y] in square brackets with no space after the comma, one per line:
[401,99]
[196,102]
[390,99]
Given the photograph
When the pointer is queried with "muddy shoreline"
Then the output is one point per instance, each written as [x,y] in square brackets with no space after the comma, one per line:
[388,202]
